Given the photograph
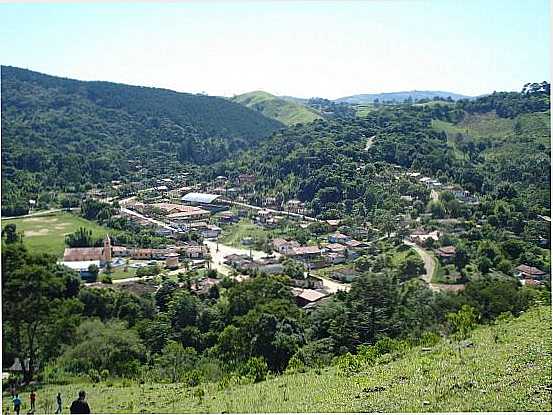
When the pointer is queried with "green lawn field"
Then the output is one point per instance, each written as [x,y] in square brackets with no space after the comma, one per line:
[507,368]
[46,234]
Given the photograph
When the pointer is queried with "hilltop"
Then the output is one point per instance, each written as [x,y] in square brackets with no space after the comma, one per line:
[277,108]
[400,96]
[507,367]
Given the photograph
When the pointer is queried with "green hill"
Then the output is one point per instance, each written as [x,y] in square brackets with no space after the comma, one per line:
[280,109]
[506,367]
[59,132]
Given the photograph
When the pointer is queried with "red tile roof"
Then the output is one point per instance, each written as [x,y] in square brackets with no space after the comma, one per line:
[526,269]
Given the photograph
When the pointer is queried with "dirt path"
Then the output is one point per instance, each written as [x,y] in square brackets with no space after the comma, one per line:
[429,264]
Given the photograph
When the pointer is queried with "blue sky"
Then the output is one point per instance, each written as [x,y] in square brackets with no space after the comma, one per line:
[308,48]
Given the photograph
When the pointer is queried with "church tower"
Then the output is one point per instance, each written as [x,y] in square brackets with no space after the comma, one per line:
[106,253]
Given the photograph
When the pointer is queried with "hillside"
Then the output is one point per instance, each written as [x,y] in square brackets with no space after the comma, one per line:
[399,96]
[59,132]
[280,109]
[507,368]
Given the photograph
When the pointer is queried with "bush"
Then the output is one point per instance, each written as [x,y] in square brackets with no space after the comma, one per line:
[255,368]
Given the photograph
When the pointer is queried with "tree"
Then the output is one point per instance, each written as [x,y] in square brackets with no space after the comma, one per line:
[294,269]
[33,289]
[93,270]
[10,233]
[175,361]
[462,323]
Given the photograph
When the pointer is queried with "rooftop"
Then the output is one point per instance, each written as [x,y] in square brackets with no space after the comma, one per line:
[199,197]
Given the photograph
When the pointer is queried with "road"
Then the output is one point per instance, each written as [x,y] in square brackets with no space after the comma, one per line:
[429,264]
[217,257]
[278,212]
[151,220]
[39,213]
[370,142]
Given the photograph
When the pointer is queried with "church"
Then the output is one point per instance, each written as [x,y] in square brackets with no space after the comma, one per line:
[100,254]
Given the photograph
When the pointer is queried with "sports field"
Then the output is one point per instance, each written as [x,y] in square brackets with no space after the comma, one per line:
[47,233]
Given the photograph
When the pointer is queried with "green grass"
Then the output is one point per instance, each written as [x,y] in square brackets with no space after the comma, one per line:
[287,112]
[46,234]
[362,110]
[233,234]
[510,374]
[119,273]
[399,255]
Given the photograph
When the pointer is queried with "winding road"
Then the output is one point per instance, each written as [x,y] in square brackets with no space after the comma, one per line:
[429,264]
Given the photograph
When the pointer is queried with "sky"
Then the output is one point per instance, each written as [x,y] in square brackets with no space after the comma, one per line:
[326,49]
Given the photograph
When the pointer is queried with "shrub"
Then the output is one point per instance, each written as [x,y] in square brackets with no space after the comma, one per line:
[255,368]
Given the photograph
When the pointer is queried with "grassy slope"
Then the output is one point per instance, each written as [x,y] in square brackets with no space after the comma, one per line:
[285,111]
[489,125]
[513,374]
[46,234]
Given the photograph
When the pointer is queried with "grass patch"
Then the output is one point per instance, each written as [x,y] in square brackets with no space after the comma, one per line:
[46,233]
[508,368]
[119,273]
[232,235]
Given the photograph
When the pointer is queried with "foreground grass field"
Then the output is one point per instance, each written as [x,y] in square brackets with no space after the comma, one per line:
[507,368]
[46,233]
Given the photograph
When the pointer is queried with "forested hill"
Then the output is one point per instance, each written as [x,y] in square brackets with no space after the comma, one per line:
[498,145]
[58,132]
[280,109]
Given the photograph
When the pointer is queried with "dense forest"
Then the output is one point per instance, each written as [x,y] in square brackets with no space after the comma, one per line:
[60,133]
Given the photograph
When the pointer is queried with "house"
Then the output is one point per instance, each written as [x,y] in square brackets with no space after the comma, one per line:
[333,223]
[294,206]
[270,202]
[283,246]
[446,253]
[306,296]
[194,251]
[263,215]
[246,179]
[271,269]
[528,272]
[338,238]
[172,261]
[17,367]
[345,275]
[335,247]
[335,257]
[421,236]
[356,245]
[211,231]
[188,214]
[228,217]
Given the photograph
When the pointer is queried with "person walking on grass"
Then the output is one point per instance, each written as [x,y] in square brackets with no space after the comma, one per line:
[16,404]
[80,406]
[32,398]
[58,403]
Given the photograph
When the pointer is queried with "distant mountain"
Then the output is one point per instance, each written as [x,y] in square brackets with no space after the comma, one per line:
[400,96]
[283,110]
[297,100]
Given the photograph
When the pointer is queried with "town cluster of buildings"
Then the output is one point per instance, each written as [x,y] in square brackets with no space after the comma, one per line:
[340,248]
[433,184]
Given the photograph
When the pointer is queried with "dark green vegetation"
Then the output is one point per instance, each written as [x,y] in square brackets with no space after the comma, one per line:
[282,110]
[61,134]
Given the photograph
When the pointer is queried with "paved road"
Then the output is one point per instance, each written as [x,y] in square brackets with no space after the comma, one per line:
[39,213]
[429,264]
